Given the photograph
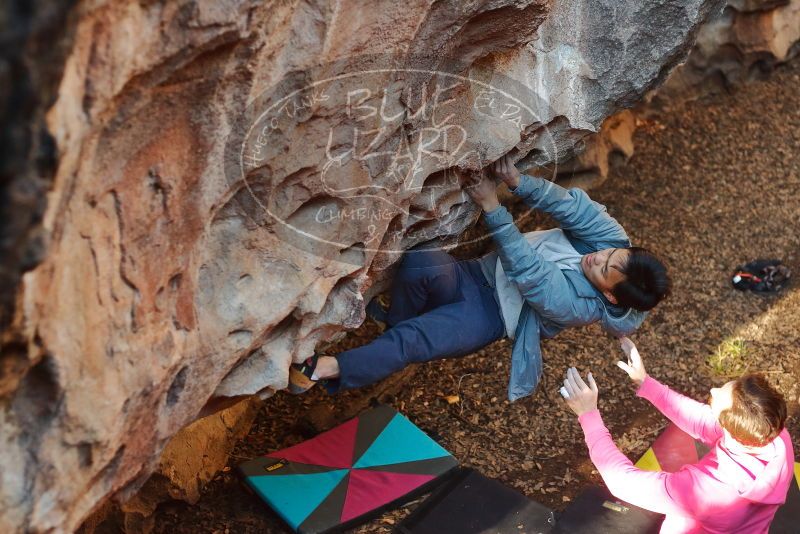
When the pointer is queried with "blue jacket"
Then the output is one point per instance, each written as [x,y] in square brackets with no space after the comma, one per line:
[555,299]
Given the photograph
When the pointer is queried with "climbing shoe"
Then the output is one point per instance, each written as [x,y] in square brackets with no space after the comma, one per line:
[300,375]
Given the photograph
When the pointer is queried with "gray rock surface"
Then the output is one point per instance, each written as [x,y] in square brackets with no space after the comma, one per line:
[742,43]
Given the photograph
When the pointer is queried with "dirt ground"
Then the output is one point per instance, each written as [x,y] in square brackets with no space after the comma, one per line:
[713,185]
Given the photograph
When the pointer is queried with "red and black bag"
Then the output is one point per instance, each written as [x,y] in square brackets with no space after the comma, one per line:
[761,276]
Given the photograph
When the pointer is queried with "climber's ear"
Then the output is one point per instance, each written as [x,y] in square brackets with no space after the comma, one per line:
[610,296]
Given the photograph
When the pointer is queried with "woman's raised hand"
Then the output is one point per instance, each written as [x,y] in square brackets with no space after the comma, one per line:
[635,366]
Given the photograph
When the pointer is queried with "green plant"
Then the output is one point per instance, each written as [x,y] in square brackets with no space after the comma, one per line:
[730,358]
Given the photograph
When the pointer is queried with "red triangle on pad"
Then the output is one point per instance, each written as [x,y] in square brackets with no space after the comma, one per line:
[369,490]
[333,448]
[674,448]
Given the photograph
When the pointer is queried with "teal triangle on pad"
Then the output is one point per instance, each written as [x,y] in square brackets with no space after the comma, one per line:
[400,441]
[294,497]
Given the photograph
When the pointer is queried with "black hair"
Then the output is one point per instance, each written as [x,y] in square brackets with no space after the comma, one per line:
[646,281]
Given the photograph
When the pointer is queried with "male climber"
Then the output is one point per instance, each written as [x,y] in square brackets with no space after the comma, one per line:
[533,286]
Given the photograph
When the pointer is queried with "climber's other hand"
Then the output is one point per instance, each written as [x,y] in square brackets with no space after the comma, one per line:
[505,170]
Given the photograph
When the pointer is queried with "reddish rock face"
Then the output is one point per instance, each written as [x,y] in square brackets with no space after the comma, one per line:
[234,178]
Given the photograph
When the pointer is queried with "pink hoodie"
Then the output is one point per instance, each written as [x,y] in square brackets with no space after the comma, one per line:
[733,489]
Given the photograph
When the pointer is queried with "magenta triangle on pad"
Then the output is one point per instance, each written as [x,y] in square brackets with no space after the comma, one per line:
[372,489]
[333,448]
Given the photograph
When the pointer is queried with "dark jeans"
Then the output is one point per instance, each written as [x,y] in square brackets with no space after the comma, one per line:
[441,308]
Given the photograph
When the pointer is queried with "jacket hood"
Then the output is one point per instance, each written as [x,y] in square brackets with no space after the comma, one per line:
[623,324]
[761,475]
[620,321]
[615,320]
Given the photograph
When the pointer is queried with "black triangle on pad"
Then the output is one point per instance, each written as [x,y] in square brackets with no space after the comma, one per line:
[267,466]
[431,466]
[701,448]
[471,503]
[787,518]
[596,511]
[331,507]
[370,424]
